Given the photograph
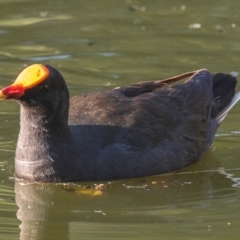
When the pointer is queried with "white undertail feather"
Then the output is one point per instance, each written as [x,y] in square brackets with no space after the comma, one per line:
[226,110]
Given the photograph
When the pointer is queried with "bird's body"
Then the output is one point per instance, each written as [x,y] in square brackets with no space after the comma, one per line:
[145,129]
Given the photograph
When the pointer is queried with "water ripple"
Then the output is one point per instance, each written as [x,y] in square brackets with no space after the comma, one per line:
[20,21]
[44,58]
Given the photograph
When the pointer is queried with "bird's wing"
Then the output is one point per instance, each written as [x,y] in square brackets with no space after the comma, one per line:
[149,86]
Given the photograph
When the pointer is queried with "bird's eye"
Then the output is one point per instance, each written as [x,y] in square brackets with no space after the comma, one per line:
[43,88]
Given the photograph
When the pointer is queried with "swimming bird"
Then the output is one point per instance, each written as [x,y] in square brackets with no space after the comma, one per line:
[145,129]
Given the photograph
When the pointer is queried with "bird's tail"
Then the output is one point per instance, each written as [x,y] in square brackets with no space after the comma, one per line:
[226,110]
[224,97]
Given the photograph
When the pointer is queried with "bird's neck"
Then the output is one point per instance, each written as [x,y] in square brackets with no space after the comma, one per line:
[43,139]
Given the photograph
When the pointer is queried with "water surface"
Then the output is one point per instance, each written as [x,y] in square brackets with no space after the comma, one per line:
[98,45]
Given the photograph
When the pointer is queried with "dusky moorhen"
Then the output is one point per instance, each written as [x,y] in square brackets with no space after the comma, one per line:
[144,129]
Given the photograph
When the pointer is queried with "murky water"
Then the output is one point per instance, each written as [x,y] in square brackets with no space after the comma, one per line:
[99,45]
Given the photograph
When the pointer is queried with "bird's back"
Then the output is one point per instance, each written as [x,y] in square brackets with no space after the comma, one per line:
[142,130]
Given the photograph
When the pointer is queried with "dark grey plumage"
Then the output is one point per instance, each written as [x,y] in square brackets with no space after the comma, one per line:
[145,129]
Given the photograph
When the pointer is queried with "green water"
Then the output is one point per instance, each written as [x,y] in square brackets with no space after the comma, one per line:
[99,45]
